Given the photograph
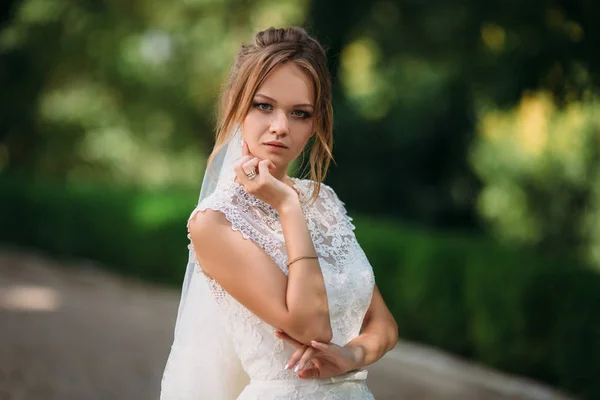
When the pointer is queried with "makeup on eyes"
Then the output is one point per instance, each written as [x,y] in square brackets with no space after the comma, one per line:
[268,107]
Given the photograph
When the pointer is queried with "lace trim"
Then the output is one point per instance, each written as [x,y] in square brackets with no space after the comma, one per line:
[346,270]
[328,221]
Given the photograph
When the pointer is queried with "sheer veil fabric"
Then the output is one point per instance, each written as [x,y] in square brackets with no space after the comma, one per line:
[202,363]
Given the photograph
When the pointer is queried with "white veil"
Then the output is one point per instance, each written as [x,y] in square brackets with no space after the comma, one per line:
[203,364]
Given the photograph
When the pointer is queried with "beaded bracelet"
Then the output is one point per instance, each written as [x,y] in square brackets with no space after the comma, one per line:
[301,258]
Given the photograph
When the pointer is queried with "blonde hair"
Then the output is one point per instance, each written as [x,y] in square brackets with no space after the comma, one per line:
[270,48]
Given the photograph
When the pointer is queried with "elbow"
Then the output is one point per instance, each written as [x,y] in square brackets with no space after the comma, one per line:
[316,328]
[323,334]
[393,334]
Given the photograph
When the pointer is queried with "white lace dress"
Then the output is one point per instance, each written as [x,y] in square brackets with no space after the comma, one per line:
[349,283]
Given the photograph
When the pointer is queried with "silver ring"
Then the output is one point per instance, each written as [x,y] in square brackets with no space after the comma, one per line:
[251,175]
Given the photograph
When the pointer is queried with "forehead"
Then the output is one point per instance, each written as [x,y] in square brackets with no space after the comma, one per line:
[288,84]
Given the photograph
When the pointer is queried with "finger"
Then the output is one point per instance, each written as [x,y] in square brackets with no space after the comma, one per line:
[270,163]
[309,373]
[263,167]
[241,161]
[289,339]
[245,149]
[308,354]
[239,170]
[284,336]
[250,165]
[293,360]
[320,346]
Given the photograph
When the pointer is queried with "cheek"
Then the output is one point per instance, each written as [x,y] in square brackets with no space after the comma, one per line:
[252,126]
[303,131]
[250,121]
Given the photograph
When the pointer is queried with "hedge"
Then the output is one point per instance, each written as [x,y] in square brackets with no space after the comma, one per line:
[511,309]
[138,233]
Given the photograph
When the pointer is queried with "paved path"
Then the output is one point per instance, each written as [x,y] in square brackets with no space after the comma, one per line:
[75,332]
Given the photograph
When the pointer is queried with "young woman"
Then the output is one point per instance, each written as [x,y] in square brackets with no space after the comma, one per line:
[279,300]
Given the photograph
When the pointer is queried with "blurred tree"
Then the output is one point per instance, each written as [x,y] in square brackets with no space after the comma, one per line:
[121,91]
[412,76]
[125,91]
[541,167]
[6,11]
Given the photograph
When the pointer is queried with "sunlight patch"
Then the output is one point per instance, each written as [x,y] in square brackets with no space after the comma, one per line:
[29,298]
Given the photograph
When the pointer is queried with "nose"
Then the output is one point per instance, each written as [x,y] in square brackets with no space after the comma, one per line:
[279,124]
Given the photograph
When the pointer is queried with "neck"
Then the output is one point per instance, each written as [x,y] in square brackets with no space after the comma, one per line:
[280,173]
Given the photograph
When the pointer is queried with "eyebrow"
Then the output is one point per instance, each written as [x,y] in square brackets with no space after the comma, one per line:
[275,101]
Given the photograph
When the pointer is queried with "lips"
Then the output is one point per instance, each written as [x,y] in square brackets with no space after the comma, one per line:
[276,144]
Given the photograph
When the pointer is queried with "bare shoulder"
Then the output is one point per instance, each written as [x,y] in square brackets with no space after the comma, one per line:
[215,242]
[205,224]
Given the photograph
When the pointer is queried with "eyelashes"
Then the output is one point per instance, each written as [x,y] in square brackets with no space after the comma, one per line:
[296,113]
[262,106]
[302,114]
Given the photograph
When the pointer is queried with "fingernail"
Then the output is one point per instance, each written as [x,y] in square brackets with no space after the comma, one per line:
[297,368]
[288,365]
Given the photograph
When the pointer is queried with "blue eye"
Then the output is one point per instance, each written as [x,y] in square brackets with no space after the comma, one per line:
[262,106]
[301,114]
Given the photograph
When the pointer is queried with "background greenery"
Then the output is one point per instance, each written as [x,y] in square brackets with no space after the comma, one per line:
[473,128]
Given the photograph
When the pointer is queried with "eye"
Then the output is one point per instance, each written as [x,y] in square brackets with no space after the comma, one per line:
[301,114]
[263,106]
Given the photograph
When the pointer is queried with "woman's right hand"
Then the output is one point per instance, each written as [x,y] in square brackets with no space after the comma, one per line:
[264,185]
[320,360]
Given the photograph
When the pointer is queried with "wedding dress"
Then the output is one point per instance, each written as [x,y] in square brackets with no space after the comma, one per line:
[222,351]
[348,279]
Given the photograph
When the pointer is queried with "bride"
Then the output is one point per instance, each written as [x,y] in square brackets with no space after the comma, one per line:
[279,300]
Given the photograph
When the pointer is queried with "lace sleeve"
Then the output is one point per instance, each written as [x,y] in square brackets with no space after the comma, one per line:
[340,212]
[247,215]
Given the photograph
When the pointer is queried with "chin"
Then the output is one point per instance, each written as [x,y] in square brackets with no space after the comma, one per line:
[277,159]
[263,155]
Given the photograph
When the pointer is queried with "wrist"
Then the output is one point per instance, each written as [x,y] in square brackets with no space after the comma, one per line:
[358,355]
[290,205]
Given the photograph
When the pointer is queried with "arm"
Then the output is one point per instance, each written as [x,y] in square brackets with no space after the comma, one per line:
[296,304]
[379,333]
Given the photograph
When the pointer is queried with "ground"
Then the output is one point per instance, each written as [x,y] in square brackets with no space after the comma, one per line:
[72,331]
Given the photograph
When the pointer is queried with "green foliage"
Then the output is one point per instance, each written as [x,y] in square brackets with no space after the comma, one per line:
[116,91]
[125,91]
[511,309]
[562,309]
[412,76]
[539,166]
[114,226]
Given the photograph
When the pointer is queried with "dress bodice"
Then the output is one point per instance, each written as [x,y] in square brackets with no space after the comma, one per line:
[348,276]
